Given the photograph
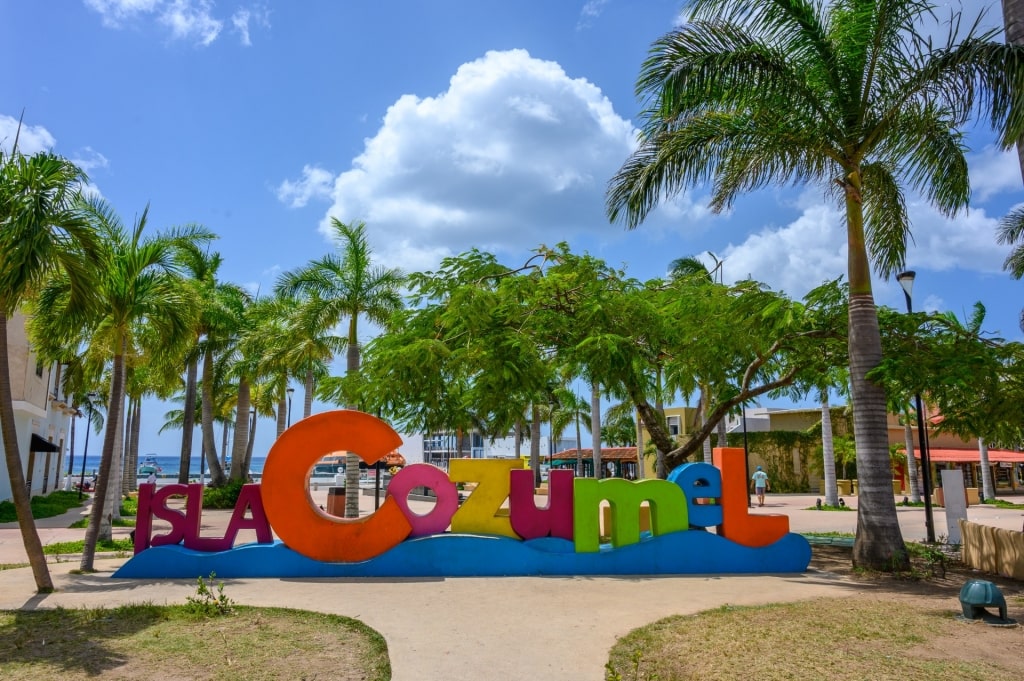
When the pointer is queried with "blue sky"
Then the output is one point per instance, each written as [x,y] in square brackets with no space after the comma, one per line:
[445,125]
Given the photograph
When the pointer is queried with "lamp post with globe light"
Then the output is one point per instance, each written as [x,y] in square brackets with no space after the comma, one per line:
[290,391]
[906,280]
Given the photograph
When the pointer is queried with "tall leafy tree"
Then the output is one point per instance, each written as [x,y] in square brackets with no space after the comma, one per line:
[848,95]
[41,231]
[348,285]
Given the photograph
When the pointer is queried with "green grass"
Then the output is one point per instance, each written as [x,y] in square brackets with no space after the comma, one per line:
[150,641]
[113,546]
[129,509]
[116,522]
[53,504]
[844,638]
[1001,503]
[912,504]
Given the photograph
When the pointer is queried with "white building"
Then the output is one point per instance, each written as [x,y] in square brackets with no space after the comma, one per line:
[41,416]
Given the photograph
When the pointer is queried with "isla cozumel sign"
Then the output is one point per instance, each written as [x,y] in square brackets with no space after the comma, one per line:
[478,537]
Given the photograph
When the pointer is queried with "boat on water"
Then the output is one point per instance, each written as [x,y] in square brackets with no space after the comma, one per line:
[149,465]
[332,464]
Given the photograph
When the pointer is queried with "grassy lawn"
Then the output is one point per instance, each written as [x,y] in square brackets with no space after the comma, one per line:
[1002,503]
[849,638]
[53,504]
[155,642]
[114,545]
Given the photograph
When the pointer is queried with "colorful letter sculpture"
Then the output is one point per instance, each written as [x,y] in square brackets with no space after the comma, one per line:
[497,530]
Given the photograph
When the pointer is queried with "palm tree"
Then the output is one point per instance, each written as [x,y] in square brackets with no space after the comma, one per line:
[346,284]
[137,285]
[40,231]
[849,95]
[220,318]
[200,268]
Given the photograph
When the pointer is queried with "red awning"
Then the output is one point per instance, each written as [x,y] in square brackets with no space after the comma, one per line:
[971,456]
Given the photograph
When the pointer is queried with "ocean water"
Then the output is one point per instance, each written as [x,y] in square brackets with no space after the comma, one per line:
[168,465]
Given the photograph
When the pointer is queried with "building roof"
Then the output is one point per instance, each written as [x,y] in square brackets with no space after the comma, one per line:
[607,454]
[971,456]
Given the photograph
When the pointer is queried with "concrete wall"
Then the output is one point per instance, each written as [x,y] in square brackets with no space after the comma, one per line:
[992,549]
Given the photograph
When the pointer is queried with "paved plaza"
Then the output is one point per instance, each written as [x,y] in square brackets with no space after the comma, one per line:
[474,628]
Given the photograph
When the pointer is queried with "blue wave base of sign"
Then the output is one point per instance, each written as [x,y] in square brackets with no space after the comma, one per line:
[466,555]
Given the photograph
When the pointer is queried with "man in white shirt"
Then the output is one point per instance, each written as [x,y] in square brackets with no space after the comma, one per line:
[759,483]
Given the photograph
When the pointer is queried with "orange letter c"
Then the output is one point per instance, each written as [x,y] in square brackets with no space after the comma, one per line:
[301,526]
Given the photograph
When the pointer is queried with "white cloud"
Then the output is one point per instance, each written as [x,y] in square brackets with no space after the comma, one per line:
[191,20]
[315,183]
[115,12]
[812,248]
[88,159]
[241,19]
[994,171]
[31,139]
[186,19]
[515,153]
[590,11]
[794,258]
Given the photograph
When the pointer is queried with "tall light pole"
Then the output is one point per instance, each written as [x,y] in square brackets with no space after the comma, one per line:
[289,391]
[906,280]
[85,452]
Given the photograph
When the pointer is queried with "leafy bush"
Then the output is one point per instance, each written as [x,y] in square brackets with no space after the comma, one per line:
[222,497]
[206,602]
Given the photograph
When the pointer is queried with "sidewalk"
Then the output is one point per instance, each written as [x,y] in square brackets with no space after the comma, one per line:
[475,629]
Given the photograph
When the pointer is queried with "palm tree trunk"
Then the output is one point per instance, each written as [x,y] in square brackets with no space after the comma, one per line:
[132,469]
[988,490]
[351,460]
[706,444]
[579,447]
[282,414]
[241,435]
[16,471]
[535,444]
[249,448]
[912,480]
[224,446]
[99,510]
[595,425]
[307,399]
[828,453]
[879,543]
[188,424]
[209,443]
[641,473]
[113,502]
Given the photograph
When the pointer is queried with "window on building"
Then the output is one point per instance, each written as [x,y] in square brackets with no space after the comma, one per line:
[39,369]
[673,425]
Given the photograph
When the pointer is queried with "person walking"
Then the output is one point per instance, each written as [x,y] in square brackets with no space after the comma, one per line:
[759,483]
[151,480]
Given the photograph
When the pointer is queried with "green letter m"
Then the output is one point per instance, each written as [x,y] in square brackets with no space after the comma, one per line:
[667,505]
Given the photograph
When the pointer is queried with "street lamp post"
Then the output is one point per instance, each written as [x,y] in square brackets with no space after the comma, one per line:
[85,451]
[906,280]
[290,391]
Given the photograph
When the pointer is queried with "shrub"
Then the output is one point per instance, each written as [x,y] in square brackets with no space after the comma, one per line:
[222,497]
